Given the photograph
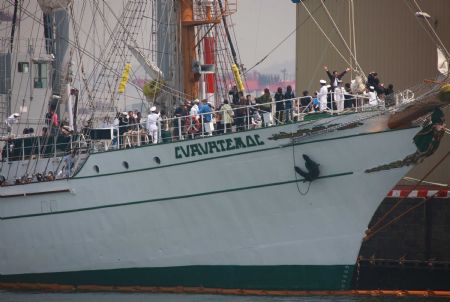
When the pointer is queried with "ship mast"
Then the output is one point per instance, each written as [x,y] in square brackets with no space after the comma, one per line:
[191,67]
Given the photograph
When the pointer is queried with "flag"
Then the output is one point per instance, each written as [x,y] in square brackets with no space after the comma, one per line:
[124,80]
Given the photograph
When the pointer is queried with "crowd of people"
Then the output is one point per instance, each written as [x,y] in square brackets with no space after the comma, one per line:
[337,96]
[238,112]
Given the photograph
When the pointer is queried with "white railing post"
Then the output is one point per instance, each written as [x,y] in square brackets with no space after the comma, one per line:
[7,150]
[179,127]
[248,117]
[39,146]
[203,125]
[223,121]
[139,134]
[23,149]
[159,131]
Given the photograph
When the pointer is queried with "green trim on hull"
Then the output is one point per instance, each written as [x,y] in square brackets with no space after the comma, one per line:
[168,198]
[279,277]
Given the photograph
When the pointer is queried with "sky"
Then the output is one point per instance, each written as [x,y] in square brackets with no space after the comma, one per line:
[259,26]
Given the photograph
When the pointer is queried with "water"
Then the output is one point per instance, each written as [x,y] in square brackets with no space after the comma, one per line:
[6,296]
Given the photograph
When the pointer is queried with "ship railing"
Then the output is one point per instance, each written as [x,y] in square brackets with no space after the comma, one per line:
[245,117]
[201,9]
[69,152]
[35,147]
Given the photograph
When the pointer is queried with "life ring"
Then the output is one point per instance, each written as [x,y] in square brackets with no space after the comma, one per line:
[192,125]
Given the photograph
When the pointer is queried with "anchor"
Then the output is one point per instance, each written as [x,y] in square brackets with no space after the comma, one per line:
[311,166]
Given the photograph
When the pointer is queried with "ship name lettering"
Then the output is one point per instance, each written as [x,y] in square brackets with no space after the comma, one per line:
[218,146]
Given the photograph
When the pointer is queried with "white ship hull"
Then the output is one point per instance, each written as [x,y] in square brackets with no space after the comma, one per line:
[236,217]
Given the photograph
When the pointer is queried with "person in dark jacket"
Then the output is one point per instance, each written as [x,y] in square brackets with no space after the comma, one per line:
[235,95]
[288,103]
[335,76]
[279,105]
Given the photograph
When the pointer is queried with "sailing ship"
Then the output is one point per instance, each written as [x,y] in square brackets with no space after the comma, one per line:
[80,210]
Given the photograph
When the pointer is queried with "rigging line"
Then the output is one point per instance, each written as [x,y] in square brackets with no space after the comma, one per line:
[126,22]
[166,37]
[373,228]
[411,9]
[342,38]
[84,80]
[28,82]
[318,66]
[110,40]
[427,32]
[394,220]
[280,43]
[123,23]
[257,28]
[116,52]
[17,48]
[238,52]
[353,26]
[223,57]
[433,31]
[230,42]
[326,36]
[32,15]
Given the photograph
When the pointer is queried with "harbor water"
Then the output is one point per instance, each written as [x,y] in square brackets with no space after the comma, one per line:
[6,296]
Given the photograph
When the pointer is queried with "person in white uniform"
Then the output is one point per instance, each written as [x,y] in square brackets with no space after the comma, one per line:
[152,124]
[322,95]
[12,119]
[339,96]
[373,97]
[194,109]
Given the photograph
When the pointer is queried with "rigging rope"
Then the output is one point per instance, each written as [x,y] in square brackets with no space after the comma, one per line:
[441,44]
[342,38]
[326,36]
[279,44]
[373,230]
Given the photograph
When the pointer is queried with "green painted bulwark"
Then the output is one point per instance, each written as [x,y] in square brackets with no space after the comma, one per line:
[280,277]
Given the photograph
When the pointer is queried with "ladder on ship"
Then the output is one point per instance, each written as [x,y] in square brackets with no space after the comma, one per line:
[115,56]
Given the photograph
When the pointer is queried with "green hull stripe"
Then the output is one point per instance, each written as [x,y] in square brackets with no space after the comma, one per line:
[168,198]
[216,157]
[280,277]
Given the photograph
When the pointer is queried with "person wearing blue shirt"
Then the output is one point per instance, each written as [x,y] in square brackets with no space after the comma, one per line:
[206,113]
[316,103]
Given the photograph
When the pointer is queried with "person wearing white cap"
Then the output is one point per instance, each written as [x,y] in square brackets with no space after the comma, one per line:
[373,97]
[12,119]
[322,95]
[152,124]
[194,109]
[207,117]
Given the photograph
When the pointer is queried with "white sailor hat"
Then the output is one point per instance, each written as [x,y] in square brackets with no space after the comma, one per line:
[371,87]
[153,108]
[323,82]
